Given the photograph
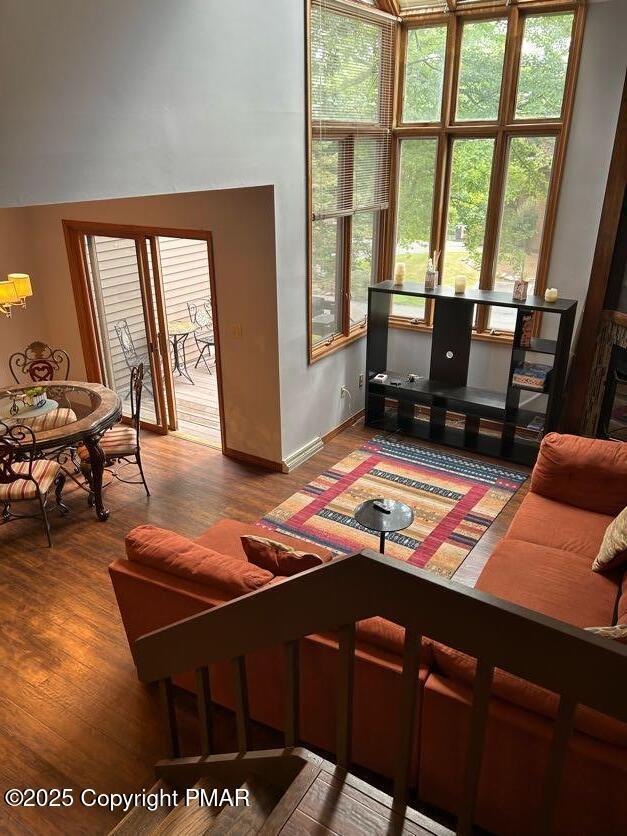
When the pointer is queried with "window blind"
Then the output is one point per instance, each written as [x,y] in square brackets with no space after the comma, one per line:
[351,107]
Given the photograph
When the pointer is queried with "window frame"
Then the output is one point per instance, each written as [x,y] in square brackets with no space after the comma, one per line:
[502,130]
[346,133]
[445,131]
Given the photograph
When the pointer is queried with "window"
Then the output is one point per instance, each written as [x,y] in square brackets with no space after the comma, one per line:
[351,118]
[489,89]
[473,159]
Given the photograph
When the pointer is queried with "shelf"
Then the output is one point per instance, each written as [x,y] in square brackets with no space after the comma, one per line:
[530,389]
[465,399]
[539,346]
[474,295]
[521,451]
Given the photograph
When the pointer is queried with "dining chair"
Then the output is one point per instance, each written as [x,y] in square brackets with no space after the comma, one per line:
[25,478]
[132,356]
[39,363]
[121,444]
[201,315]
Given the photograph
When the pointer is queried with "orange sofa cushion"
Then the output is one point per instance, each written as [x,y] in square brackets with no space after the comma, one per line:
[176,555]
[585,472]
[551,581]
[549,523]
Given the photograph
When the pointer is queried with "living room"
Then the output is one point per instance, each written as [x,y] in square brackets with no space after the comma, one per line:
[324,151]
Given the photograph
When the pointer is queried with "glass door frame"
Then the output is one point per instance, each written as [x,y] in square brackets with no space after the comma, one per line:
[155,317]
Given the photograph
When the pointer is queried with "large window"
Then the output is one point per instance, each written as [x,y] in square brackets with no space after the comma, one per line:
[472,170]
[351,118]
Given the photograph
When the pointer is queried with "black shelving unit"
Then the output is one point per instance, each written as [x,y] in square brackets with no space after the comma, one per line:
[446,389]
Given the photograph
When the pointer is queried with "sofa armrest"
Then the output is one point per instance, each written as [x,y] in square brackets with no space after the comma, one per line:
[584,472]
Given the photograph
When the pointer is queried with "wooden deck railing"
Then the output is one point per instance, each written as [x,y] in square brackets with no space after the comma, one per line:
[334,597]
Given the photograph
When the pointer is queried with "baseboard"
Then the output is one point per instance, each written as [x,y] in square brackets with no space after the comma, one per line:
[343,426]
[300,456]
[248,458]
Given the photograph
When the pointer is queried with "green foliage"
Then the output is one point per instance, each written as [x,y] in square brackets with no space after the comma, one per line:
[481,69]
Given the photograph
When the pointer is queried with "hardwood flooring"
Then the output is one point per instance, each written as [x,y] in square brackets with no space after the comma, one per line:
[72,712]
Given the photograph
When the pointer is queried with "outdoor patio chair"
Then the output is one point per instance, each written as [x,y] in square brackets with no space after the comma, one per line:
[201,315]
[132,357]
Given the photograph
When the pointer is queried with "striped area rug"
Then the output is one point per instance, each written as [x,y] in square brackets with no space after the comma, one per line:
[455,500]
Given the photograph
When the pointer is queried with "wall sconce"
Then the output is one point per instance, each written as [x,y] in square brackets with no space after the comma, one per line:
[14,292]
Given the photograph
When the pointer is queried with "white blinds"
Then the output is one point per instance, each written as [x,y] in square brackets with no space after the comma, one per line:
[351,107]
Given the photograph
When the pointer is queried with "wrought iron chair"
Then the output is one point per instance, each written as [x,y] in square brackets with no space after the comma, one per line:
[201,315]
[38,363]
[25,478]
[132,357]
[121,444]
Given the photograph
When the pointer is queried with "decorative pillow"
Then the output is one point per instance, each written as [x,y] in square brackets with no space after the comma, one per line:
[277,557]
[613,549]
[618,633]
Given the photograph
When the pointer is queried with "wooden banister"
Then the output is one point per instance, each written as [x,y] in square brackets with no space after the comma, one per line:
[497,633]
[367,584]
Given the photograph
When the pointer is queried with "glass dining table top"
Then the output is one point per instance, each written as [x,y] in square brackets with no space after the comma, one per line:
[62,409]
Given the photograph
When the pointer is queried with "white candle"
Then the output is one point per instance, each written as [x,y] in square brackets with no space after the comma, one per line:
[460,284]
[550,294]
[399,273]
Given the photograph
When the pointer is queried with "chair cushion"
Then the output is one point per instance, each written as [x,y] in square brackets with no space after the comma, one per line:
[278,558]
[617,633]
[117,442]
[551,581]
[585,472]
[51,420]
[546,522]
[44,472]
[176,555]
[613,551]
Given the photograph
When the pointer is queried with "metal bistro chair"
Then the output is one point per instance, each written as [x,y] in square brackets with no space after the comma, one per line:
[201,315]
[121,444]
[132,357]
[25,478]
[39,363]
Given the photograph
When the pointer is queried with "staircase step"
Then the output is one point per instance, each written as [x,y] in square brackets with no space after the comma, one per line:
[193,819]
[140,821]
[242,820]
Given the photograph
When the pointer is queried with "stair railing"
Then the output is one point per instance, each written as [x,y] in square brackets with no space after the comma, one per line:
[337,595]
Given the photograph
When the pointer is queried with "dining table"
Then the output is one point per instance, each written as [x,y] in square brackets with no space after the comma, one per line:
[78,413]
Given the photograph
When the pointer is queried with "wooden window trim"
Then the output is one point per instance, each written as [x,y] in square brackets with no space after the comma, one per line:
[502,131]
[445,131]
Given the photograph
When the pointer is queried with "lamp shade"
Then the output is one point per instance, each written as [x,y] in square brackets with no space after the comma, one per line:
[22,284]
[8,293]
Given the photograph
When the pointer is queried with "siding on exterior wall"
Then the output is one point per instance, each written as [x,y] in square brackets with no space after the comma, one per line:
[185,271]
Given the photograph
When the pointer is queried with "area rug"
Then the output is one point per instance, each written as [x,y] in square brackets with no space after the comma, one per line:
[455,500]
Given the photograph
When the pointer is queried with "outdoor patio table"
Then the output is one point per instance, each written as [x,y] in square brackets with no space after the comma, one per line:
[179,330]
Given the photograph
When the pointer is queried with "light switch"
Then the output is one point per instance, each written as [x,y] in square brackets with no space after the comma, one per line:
[236,330]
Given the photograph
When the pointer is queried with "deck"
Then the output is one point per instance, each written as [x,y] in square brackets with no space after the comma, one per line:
[197,406]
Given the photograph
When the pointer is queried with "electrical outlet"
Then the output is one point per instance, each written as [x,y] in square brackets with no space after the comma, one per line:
[236,330]
[361,381]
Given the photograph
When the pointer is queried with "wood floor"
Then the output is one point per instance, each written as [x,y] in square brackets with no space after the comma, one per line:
[72,713]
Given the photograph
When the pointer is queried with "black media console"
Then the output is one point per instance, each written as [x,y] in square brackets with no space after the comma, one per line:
[393,407]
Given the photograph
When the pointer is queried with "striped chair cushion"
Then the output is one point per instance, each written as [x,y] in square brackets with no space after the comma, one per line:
[51,420]
[44,473]
[117,442]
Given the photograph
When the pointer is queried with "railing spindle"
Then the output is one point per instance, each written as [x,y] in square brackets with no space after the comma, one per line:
[205,710]
[408,710]
[292,693]
[346,659]
[555,767]
[166,691]
[242,714]
[476,742]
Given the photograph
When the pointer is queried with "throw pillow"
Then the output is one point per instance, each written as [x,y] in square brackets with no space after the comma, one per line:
[618,633]
[613,549]
[277,557]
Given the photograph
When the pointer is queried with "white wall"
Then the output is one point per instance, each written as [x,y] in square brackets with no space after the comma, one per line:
[154,96]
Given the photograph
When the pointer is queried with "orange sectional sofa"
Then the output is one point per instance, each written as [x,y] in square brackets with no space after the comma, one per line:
[543,563]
